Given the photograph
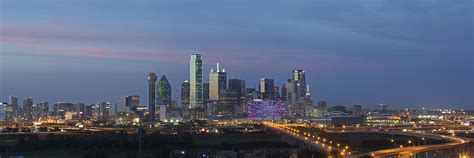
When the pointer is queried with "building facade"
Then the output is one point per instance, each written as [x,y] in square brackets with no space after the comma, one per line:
[195,81]
[217,82]
[151,96]
[185,94]
[266,88]
[163,90]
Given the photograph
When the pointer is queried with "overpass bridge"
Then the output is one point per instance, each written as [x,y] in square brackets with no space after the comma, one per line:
[457,147]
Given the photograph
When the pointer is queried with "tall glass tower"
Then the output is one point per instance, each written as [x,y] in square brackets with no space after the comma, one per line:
[163,92]
[195,81]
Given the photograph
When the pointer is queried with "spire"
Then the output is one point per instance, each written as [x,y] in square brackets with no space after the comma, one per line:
[218,70]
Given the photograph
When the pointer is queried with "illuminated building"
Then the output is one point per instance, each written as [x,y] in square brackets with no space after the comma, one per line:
[6,112]
[151,96]
[265,108]
[132,102]
[266,88]
[81,110]
[382,119]
[28,108]
[250,93]
[217,82]
[195,81]
[163,93]
[185,94]
[40,110]
[228,101]
[238,85]
[100,111]
[299,77]
[13,101]
[3,107]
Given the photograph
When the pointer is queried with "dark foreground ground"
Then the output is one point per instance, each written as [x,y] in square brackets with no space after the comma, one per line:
[122,145]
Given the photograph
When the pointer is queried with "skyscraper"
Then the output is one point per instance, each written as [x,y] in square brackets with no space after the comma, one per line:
[13,101]
[185,94]
[276,93]
[28,108]
[195,81]
[163,92]
[299,77]
[266,88]
[228,102]
[132,102]
[237,85]
[205,93]
[151,96]
[217,82]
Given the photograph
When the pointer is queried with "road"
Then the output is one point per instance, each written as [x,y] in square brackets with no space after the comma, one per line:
[297,132]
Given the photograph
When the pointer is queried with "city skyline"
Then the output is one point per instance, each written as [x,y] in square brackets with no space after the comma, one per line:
[347,62]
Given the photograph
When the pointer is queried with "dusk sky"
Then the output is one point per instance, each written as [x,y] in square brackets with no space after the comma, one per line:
[404,52]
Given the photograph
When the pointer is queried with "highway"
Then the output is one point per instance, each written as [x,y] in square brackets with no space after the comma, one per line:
[310,139]
[406,152]
[296,131]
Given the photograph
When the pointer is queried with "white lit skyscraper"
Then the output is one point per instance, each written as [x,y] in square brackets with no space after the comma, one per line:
[217,82]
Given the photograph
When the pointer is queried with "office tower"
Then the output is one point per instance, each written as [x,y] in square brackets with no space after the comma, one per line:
[64,110]
[163,112]
[101,111]
[276,93]
[237,85]
[228,102]
[81,110]
[43,107]
[195,81]
[88,112]
[13,101]
[308,93]
[251,93]
[299,78]
[132,102]
[28,108]
[266,88]
[163,92]
[3,115]
[205,93]
[7,112]
[286,90]
[40,110]
[217,82]
[151,96]
[185,94]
